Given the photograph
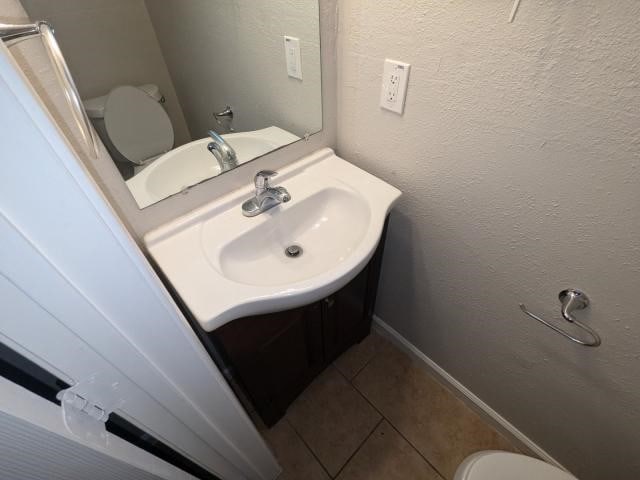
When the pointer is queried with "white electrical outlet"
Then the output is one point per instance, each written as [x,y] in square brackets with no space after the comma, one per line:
[394,85]
[292,55]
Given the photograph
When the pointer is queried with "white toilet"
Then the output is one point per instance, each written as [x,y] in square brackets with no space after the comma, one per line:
[132,123]
[496,465]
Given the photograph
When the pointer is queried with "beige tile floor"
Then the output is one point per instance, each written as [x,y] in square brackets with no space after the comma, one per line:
[376,415]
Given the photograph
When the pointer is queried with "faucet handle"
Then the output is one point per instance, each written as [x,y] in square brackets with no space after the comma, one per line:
[261,180]
[215,136]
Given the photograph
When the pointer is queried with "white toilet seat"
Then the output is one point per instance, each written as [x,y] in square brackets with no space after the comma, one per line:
[137,125]
[496,465]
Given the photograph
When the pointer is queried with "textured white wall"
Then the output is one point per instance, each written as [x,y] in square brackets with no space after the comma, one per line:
[109,43]
[232,53]
[519,156]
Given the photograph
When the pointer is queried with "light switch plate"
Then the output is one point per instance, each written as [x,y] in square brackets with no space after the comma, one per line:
[292,55]
[394,85]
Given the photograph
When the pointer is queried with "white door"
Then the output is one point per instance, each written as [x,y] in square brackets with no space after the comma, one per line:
[80,300]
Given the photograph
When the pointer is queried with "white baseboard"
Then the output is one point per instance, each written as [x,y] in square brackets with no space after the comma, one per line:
[521,441]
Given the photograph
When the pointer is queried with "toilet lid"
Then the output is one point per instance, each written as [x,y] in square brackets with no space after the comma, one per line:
[508,466]
[137,125]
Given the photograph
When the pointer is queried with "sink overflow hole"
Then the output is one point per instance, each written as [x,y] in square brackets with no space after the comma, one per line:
[293,251]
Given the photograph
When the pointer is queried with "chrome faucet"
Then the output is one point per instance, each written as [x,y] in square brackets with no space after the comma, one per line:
[266,196]
[223,152]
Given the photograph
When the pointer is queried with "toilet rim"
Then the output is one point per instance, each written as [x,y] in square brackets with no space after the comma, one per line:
[476,466]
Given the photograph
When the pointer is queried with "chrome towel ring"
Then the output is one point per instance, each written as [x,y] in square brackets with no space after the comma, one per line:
[572,299]
[45,30]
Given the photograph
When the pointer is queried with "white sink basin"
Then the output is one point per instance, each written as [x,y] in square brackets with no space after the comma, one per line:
[192,163]
[225,265]
[328,226]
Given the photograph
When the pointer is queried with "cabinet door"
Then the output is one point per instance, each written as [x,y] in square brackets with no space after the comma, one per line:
[275,356]
[348,313]
[345,317]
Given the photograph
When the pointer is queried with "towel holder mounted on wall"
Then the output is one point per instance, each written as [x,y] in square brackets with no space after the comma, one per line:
[572,299]
[45,30]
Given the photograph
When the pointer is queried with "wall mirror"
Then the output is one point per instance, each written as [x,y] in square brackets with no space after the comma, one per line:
[181,91]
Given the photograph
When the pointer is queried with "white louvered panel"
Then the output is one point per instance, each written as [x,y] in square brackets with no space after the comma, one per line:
[28,452]
[34,445]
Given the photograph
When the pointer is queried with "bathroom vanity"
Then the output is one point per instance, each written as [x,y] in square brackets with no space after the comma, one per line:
[277,293]
[274,356]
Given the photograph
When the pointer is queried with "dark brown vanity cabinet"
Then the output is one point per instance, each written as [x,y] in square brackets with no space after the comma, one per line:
[273,357]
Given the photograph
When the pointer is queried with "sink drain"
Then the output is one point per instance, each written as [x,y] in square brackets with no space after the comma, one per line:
[293,251]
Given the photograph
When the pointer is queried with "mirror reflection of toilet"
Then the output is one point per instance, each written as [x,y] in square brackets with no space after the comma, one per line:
[133,125]
[497,465]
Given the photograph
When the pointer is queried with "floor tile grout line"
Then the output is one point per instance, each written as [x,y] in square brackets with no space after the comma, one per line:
[416,450]
[375,353]
[359,370]
[382,419]
[306,445]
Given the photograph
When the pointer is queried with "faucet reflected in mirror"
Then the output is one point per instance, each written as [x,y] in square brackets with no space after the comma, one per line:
[223,152]
[149,85]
